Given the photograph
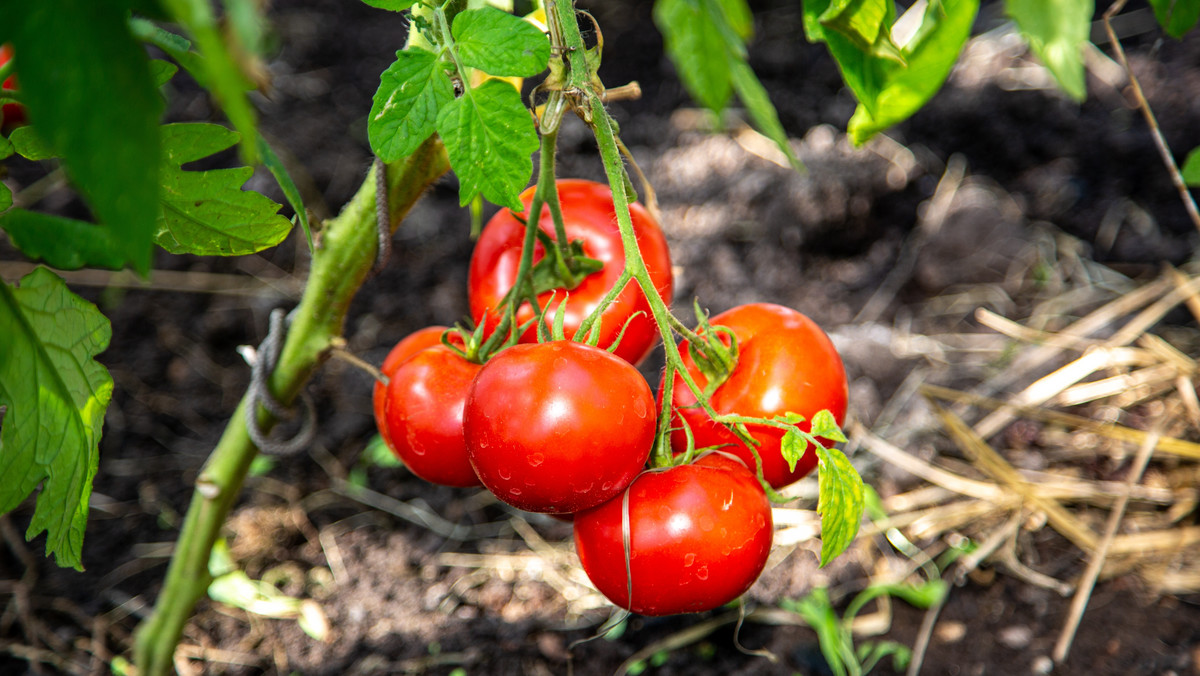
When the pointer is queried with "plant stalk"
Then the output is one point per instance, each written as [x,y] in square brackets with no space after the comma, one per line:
[344,257]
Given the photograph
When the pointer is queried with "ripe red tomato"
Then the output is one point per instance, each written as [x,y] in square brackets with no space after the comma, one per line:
[12,113]
[588,215]
[410,345]
[699,536]
[558,427]
[423,415]
[786,363]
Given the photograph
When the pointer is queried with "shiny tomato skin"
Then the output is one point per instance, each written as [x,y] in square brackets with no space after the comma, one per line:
[699,537]
[588,214]
[13,113]
[407,347]
[423,411]
[558,427]
[786,363]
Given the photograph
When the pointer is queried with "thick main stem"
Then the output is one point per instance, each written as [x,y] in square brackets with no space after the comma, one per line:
[341,263]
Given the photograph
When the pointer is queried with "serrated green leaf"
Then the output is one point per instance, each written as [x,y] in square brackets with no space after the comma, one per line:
[790,417]
[694,43]
[207,212]
[1177,17]
[393,5]
[405,109]
[56,394]
[1057,31]
[292,193]
[162,71]
[87,85]
[29,145]
[792,447]
[1191,168]
[839,500]
[221,74]
[825,425]
[490,140]
[499,43]
[890,92]
[64,243]
[6,147]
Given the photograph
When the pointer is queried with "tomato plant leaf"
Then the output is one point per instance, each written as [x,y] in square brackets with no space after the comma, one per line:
[693,41]
[6,199]
[56,395]
[890,92]
[162,71]
[392,5]
[221,73]
[499,43]
[739,16]
[87,84]
[275,165]
[839,500]
[1191,168]
[793,447]
[411,92]
[207,212]
[64,243]
[825,425]
[1057,31]
[29,145]
[1176,17]
[762,112]
[866,23]
[490,140]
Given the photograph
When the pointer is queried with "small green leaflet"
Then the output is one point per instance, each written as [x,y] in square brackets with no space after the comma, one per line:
[1177,17]
[162,71]
[499,43]
[490,139]
[6,149]
[839,500]
[89,89]
[1057,31]
[393,5]
[706,41]
[207,212]
[866,23]
[275,165]
[411,92]
[1191,168]
[56,395]
[28,145]
[825,425]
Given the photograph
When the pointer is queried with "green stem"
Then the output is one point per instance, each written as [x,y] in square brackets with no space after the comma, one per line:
[343,259]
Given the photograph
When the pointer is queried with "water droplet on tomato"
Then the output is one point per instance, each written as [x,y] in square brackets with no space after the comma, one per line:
[535,459]
[702,573]
[515,492]
[504,473]
[639,407]
[688,560]
[760,521]
[706,523]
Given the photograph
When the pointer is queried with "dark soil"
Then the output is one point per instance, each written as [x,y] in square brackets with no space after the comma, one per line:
[742,229]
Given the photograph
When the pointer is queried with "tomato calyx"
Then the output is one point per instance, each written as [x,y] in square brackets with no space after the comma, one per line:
[562,269]
[714,349]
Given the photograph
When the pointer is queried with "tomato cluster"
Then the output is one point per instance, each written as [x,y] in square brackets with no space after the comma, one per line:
[568,428]
[11,114]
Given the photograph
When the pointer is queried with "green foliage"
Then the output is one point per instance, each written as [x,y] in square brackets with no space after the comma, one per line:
[1191,168]
[1057,31]
[1177,17]
[411,92]
[840,501]
[499,43]
[207,212]
[393,5]
[64,243]
[28,145]
[292,193]
[488,132]
[834,633]
[890,86]
[89,90]
[56,395]
[490,140]
[706,41]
